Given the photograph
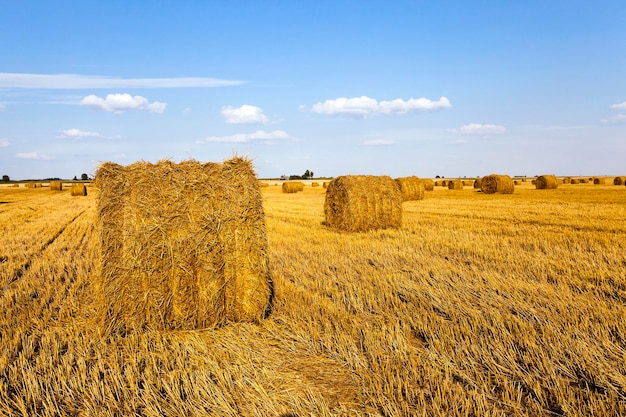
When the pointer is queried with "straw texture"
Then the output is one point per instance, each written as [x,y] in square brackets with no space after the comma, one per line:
[183,246]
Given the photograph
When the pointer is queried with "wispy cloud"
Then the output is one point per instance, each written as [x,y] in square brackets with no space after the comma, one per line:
[245,114]
[2,106]
[618,118]
[364,106]
[76,134]
[480,129]
[118,103]
[33,155]
[258,136]
[619,106]
[4,143]
[379,142]
[77,81]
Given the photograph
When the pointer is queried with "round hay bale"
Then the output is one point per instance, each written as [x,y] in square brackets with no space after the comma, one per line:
[263,184]
[567,180]
[315,184]
[357,203]
[494,183]
[291,187]
[477,182]
[56,185]
[584,180]
[78,190]
[437,183]
[599,180]
[619,180]
[183,246]
[575,181]
[412,188]
[429,185]
[325,184]
[455,185]
[515,182]
[533,182]
[546,182]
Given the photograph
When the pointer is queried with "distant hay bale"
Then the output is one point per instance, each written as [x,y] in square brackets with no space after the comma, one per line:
[619,181]
[574,181]
[477,182]
[444,183]
[79,190]
[515,182]
[56,185]
[357,203]
[292,186]
[429,185]
[315,184]
[263,184]
[183,246]
[567,180]
[584,180]
[412,188]
[546,182]
[15,185]
[325,184]
[437,183]
[494,183]
[455,185]
[599,180]
[533,182]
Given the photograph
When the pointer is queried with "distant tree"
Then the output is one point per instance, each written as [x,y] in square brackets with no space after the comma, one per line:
[75,178]
[437,176]
[6,178]
[307,175]
[295,177]
[84,177]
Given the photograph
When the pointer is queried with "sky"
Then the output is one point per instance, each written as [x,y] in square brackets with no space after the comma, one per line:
[426,88]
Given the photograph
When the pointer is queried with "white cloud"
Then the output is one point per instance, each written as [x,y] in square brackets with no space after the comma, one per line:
[481,129]
[118,103]
[76,81]
[4,143]
[364,106]
[619,106]
[245,114]
[33,155]
[187,110]
[615,119]
[76,134]
[258,136]
[2,106]
[379,142]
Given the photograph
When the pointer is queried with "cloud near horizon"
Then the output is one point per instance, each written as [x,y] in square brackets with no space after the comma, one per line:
[379,142]
[33,155]
[619,106]
[246,114]
[364,106]
[4,143]
[76,134]
[78,82]
[119,103]
[258,136]
[481,129]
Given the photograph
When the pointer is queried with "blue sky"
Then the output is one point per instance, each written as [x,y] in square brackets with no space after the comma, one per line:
[454,88]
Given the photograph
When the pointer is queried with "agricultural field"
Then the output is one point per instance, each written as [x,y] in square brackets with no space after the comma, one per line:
[478,305]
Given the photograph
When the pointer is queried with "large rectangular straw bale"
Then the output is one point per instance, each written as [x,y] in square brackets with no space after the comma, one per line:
[412,188]
[358,203]
[183,246]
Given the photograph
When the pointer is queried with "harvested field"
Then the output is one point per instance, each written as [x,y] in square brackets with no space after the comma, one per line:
[483,305]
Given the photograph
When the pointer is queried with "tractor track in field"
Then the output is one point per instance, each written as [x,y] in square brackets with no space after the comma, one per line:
[26,266]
